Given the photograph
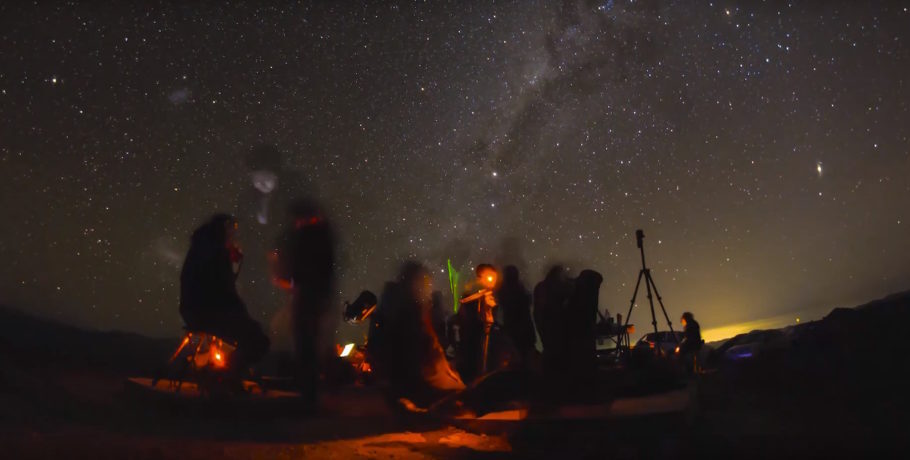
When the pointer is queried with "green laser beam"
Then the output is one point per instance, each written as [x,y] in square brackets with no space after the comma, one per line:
[453,284]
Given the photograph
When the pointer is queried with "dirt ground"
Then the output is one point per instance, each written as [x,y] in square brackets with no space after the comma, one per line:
[90,415]
[833,392]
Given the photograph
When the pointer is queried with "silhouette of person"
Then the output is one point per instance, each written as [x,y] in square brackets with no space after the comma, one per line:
[378,337]
[515,303]
[580,320]
[550,298]
[269,189]
[691,342]
[208,292]
[475,321]
[413,358]
[306,267]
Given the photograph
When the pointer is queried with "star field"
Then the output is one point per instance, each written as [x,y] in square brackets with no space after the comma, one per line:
[762,146]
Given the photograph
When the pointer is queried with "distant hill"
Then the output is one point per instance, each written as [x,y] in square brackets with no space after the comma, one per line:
[861,336]
[35,341]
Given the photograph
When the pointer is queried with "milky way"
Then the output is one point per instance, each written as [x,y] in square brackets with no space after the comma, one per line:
[762,146]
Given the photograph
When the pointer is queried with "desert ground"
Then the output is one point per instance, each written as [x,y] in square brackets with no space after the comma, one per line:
[832,387]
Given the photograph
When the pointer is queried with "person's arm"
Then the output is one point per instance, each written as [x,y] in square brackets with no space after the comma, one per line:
[279,275]
[236,255]
[489,298]
[226,280]
[281,283]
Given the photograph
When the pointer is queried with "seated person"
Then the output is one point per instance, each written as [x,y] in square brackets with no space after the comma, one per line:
[410,354]
[208,293]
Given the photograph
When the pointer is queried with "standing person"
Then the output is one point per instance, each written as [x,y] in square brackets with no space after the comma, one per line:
[306,267]
[378,337]
[270,186]
[209,300]
[515,301]
[475,322]
[581,315]
[691,342]
[550,299]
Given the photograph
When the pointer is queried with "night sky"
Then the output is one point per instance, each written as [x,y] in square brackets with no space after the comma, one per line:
[762,146]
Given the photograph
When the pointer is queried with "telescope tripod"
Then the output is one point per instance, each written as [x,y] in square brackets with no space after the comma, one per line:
[485,313]
[645,273]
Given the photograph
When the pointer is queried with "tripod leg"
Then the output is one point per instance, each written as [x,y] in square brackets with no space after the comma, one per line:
[661,302]
[632,304]
[650,299]
[486,348]
[657,344]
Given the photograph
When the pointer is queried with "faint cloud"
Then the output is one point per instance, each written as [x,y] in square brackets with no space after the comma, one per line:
[179,96]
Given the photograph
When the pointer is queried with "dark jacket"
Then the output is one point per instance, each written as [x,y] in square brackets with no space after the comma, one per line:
[515,302]
[691,337]
[580,316]
[207,284]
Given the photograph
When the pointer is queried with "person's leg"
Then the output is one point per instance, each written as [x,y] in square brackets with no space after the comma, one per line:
[306,356]
[307,369]
[688,360]
[254,340]
[252,343]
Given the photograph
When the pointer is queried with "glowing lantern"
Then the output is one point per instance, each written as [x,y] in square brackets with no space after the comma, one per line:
[488,278]
[347,350]
[217,356]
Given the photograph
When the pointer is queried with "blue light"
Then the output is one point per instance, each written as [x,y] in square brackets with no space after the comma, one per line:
[742,354]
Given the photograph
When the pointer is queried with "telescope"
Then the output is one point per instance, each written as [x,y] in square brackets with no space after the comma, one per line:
[361,308]
[476,296]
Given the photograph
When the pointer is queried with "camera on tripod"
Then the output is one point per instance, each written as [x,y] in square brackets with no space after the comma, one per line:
[650,288]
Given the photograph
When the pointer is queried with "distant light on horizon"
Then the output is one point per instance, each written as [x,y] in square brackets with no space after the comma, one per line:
[729,331]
